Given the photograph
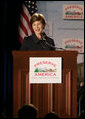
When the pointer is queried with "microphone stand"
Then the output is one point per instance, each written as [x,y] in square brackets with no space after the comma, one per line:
[44,39]
[53,46]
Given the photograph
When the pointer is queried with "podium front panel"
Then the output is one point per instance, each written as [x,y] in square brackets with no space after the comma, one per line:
[60,98]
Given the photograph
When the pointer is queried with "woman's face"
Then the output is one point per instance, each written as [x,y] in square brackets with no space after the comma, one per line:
[37,27]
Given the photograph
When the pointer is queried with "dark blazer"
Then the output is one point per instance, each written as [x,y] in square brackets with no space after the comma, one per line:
[32,43]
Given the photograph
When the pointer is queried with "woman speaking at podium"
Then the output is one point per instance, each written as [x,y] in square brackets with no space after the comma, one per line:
[38,40]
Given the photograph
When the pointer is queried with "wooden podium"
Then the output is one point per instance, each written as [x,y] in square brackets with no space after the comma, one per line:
[59,98]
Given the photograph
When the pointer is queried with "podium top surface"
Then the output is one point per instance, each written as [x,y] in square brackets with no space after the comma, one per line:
[41,53]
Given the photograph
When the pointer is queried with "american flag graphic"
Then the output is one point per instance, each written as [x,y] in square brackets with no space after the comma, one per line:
[25,29]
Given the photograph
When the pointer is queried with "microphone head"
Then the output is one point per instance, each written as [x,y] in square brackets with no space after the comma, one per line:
[43,35]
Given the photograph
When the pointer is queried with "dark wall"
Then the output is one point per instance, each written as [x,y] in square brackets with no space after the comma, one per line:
[9,20]
[10,14]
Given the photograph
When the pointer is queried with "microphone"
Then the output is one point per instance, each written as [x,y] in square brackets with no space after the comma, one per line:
[43,35]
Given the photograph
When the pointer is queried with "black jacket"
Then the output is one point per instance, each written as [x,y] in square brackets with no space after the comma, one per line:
[32,43]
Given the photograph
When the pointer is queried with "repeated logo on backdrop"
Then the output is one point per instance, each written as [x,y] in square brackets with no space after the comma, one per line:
[73,11]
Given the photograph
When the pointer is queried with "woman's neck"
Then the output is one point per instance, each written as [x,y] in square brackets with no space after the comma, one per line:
[39,36]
